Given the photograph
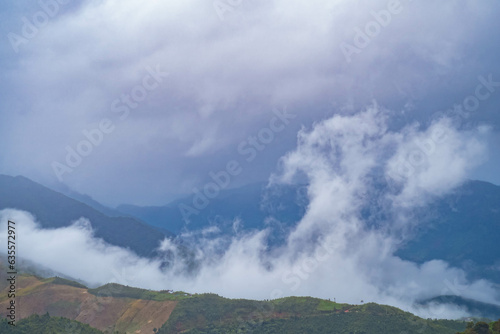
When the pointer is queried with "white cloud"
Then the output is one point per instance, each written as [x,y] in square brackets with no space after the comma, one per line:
[331,254]
[434,161]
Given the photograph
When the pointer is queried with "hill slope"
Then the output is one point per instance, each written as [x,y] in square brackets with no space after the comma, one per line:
[114,307]
[47,325]
[213,314]
[108,309]
[53,209]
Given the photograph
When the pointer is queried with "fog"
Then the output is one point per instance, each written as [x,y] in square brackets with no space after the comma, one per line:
[350,161]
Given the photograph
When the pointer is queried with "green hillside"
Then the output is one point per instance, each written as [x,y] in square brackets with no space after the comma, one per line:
[211,314]
[482,328]
[46,324]
[121,291]
[116,307]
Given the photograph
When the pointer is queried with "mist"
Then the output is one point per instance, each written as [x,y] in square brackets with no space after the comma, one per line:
[350,162]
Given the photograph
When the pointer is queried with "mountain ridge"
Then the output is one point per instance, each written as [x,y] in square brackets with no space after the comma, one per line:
[53,209]
[461,228]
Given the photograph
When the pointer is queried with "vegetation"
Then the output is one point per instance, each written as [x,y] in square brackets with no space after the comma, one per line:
[482,327]
[211,314]
[63,281]
[206,309]
[46,324]
[121,291]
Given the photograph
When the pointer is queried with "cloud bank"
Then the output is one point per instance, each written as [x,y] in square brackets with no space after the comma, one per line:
[349,162]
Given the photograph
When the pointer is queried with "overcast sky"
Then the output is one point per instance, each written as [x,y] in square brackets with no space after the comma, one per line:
[175,88]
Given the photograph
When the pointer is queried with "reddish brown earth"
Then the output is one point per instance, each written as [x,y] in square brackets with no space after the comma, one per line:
[37,296]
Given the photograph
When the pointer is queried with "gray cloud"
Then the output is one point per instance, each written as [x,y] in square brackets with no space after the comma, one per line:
[225,78]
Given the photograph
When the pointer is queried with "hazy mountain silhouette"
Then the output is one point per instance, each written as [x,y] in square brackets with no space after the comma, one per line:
[462,228]
[53,209]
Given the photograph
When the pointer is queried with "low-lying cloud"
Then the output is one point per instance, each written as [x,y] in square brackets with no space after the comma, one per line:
[350,162]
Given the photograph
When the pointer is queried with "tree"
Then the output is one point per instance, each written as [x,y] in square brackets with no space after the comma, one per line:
[496,327]
[481,328]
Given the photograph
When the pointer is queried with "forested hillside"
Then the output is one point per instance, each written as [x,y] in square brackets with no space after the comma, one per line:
[118,308]
[211,314]
[482,327]
[46,324]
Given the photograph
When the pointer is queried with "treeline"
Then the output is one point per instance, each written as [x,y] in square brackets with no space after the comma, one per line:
[122,291]
[330,324]
[482,327]
[211,314]
[46,324]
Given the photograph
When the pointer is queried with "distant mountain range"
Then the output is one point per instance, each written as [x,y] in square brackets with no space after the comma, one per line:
[53,209]
[472,306]
[462,228]
[252,204]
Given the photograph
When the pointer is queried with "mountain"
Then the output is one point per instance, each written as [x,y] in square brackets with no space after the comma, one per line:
[482,327]
[473,307]
[114,307]
[461,228]
[295,315]
[86,199]
[251,204]
[53,209]
[104,308]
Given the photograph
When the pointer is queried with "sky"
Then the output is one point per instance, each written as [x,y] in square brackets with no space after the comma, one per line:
[133,102]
